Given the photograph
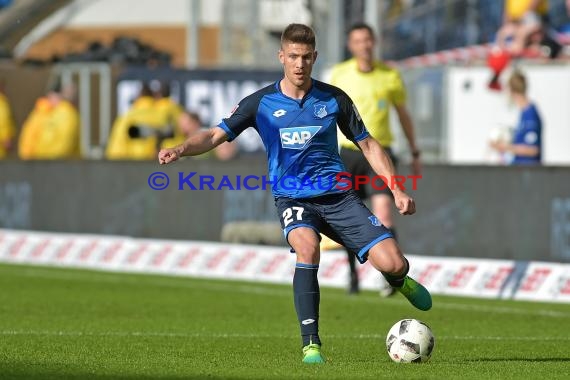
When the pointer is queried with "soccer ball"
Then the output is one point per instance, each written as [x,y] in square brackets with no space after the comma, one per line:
[410,341]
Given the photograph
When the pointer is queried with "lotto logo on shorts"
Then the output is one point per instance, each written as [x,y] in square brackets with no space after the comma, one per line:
[297,137]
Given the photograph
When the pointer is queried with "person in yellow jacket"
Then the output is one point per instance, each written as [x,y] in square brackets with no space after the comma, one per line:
[7,128]
[374,88]
[168,108]
[136,135]
[51,130]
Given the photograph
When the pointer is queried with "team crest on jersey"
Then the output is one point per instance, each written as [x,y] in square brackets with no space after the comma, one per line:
[321,110]
[374,220]
[297,137]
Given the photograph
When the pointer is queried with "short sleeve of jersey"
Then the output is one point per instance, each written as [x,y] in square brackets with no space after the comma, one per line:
[349,120]
[242,117]
[531,132]
[397,89]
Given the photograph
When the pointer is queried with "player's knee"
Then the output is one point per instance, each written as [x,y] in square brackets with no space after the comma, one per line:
[387,257]
[398,266]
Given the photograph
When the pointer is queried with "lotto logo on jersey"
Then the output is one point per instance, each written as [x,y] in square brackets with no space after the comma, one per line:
[297,137]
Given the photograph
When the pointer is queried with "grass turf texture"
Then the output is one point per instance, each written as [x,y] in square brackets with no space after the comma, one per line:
[75,324]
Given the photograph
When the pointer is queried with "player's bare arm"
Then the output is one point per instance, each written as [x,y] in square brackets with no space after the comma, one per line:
[518,149]
[383,166]
[408,128]
[200,142]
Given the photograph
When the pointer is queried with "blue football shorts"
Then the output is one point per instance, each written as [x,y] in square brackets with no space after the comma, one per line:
[341,216]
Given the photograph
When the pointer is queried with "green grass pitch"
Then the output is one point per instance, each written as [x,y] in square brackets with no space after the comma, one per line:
[74,324]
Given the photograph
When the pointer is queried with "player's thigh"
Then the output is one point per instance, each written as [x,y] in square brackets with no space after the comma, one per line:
[356,226]
[305,242]
[301,224]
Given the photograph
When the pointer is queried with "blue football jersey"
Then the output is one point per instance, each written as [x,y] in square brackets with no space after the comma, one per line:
[528,132]
[300,136]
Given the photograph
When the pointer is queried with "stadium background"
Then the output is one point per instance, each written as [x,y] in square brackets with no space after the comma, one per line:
[103,277]
[215,52]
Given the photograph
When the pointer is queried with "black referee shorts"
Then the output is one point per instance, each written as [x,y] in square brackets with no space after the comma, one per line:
[357,165]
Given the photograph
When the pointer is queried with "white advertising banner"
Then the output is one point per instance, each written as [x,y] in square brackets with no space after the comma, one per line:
[534,281]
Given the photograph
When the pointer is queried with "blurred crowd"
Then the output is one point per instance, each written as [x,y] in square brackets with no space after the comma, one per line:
[154,120]
[416,27]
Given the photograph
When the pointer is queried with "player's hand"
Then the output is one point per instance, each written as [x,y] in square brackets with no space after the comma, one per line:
[499,146]
[404,203]
[168,155]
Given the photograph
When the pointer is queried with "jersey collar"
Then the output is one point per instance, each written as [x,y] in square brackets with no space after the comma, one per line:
[302,101]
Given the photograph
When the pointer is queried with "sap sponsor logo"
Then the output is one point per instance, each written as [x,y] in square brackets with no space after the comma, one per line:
[297,137]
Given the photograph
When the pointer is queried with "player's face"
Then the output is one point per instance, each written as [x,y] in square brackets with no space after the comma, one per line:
[297,60]
[361,44]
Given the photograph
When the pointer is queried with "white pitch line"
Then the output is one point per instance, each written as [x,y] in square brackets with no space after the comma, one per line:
[160,334]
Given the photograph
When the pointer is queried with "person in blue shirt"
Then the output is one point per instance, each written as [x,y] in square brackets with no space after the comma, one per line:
[526,145]
[297,119]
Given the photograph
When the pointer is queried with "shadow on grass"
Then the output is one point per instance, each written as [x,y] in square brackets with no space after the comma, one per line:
[530,360]
[31,374]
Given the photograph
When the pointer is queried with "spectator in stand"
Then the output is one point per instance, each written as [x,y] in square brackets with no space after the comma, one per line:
[138,134]
[521,20]
[7,128]
[51,131]
[526,145]
[168,108]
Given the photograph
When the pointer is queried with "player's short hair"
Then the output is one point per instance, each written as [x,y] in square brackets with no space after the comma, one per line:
[299,34]
[517,82]
[360,26]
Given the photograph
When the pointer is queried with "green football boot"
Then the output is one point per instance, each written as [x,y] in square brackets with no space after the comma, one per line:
[312,354]
[416,294]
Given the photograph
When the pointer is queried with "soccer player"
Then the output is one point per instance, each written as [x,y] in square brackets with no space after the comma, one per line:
[375,88]
[297,118]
